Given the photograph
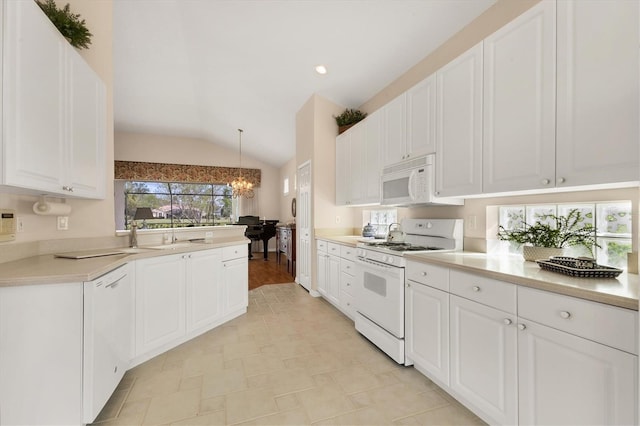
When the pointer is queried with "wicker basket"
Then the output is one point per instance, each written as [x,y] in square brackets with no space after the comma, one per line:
[533,253]
[578,267]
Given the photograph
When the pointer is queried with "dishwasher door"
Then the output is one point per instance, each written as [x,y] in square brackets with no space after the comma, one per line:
[108,335]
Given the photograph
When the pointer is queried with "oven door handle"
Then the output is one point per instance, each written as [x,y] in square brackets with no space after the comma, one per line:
[380,267]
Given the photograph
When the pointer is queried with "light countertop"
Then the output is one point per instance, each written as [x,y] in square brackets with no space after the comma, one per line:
[621,291]
[48,269]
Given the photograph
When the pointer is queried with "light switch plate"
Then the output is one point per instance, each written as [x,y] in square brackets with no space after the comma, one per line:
[63,223]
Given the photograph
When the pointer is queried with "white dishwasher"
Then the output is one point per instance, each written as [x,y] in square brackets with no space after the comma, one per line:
[108,335]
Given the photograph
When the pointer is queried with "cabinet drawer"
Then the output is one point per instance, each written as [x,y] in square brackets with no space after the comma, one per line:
[333,248]
[234,252]
[346,304]
[498,294]
[433,276]
[347,266]
[348,252]
[321,245]
[347,283]
[609,325]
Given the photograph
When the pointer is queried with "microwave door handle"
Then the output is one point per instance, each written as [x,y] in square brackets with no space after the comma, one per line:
[412,182]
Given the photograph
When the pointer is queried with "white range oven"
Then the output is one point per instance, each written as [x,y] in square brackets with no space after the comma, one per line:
[379,279]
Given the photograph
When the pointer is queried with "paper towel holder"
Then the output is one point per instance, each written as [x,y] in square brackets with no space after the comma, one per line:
[43,207]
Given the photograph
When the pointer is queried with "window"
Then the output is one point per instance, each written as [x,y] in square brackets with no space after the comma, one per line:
[380,219]
[177,205]
[611,220]
[285,188]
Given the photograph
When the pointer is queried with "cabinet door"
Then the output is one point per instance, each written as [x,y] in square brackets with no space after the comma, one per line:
[598,92]
[394,145]
[357,163]
[519,103]
[86,139]
[568,380]
[236,279]
[33,99]
[160,301]
[484,360]
[343,174]
[333,279]
[371,153]
[459,125]
[427,330]
[322,274]
[421,118]
[41,354]
[204,288]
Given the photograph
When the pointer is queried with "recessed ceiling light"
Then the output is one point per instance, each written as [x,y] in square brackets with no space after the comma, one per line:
[321,69]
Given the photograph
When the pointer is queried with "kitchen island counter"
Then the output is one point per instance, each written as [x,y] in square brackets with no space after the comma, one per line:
[48,269]
[621,291]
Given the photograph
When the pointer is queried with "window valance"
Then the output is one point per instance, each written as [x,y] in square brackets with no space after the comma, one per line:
[164,172]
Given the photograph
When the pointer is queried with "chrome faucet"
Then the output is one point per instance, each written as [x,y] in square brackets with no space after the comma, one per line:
[133,235]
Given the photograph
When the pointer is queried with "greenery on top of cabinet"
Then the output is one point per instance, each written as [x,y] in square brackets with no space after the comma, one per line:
[69,24]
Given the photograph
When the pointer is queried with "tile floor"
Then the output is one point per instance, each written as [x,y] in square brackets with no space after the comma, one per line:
[291,360]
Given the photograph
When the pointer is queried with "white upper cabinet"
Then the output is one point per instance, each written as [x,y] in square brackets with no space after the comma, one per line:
[409,123]
[358,162]
[598,92]
[33,99]
[87,131]
[343,173]
[459,125]
[421,118]
[395,130]
[54,110]
[519,103]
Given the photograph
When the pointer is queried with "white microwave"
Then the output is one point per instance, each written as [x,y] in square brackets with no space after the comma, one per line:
[412,183]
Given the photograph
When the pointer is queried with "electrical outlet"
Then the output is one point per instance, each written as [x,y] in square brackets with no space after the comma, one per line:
[337,219]
[472,222]
[63,223]
[19,225]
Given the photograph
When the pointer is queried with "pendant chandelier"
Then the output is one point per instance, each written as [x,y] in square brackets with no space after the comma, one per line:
[240,186]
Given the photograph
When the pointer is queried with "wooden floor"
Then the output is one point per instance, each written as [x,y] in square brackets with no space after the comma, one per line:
[263,272]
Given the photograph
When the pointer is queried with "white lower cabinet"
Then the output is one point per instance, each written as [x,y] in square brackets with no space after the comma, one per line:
[235,276]
[204,286]
[336,275]
[568,380]
[182,295]
[41,354]
[517,355]
[484,360]
[160,302]
[427,330]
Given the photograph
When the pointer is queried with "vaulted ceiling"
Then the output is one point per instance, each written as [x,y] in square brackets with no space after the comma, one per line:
[204,68]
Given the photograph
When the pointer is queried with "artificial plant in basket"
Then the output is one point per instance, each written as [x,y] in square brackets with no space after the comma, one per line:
[348,118]
[553,231]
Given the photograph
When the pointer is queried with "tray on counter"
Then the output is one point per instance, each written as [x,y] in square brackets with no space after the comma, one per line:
[575,267]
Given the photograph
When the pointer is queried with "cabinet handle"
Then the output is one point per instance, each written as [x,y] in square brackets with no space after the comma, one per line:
[561,180]
[507,321]
[408,285]
[521,326]
[424,274]
[565,314]
[546,181]
[67,188]
[348,284]
[437,192]
[475,288]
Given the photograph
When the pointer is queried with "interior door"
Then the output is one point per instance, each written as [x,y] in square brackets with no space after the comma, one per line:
[303,223]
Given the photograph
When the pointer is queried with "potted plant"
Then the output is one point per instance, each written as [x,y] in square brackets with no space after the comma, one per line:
[69,24]
[551,234]
[348,118]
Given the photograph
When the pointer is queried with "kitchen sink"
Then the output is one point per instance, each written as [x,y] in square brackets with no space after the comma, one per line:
[133,250]
[173,246]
